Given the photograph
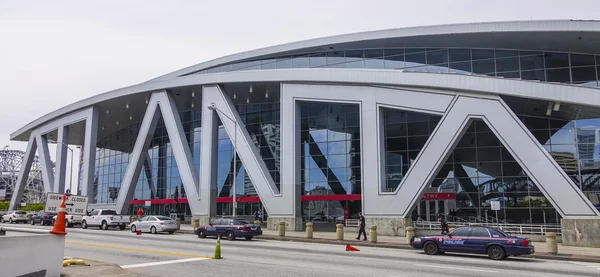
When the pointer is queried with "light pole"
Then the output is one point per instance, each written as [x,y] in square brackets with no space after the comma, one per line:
[212,107]
[71,175]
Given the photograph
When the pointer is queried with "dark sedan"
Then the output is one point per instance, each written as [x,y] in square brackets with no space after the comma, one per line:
[42,217]
[230,228]
[476,240]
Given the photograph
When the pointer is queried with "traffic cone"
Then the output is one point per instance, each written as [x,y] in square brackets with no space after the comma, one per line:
[138,232]
[59,225]
[218,249]
[351,248]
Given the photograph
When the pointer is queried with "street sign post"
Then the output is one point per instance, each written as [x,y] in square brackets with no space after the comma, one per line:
[75,204]
[495,207]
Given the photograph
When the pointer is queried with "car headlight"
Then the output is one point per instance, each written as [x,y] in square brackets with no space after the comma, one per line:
[417,240]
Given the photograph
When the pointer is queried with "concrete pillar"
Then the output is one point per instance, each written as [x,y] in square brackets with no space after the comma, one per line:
[580,232]
[178,221]
[195,223]
[373,233]
[309,230]
[389,226]
[282,229]
[410,234]
[551,243]
[339,231]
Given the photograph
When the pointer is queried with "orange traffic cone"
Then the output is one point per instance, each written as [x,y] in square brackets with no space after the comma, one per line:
[138,232]
[351,248]
[59,225]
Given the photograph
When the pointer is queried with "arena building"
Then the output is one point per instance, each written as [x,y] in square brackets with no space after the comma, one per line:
[400,124]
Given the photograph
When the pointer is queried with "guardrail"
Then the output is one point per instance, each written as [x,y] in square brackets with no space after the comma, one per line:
[351,223]
[4,229]
[521,229]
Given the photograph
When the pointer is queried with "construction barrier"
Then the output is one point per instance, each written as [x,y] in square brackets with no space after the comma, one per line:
[410,234]
[551,243]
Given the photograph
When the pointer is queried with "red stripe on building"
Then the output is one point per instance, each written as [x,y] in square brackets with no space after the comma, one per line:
[255,199]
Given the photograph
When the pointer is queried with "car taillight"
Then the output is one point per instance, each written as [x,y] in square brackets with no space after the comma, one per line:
[111,218]
[14,216]
[524,242]
[162,223]
[71,217]
[244,228]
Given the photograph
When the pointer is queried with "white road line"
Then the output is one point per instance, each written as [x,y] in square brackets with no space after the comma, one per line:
[457,268]
[163,262]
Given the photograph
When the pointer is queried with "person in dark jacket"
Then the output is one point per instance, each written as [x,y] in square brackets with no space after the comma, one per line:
[361,226]
[444,225]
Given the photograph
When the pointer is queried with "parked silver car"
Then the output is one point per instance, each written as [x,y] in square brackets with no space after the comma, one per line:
[154,224]
[15,217]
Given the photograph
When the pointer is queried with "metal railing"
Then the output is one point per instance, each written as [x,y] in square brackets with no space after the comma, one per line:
[351,223]
[521,229]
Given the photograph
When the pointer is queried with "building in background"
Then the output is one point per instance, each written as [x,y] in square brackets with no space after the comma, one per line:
[10,166]
[373,122]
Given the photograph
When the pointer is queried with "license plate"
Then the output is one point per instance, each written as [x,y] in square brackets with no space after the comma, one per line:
[253,228]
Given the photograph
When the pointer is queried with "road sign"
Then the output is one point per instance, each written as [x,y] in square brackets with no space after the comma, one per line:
[495,205]
[439,196]
[75,204]
[148,203]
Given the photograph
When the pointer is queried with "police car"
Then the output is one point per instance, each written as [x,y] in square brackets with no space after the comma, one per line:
[476,240]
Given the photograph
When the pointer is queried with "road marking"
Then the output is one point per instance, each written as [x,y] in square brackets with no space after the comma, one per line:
[590,265]
[137,250]
[163,263]
[457,268]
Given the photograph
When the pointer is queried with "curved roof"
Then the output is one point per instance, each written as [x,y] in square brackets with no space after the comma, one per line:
[539,35]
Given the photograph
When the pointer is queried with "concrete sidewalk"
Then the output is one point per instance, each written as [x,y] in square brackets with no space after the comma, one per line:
[96,268]
[567,253]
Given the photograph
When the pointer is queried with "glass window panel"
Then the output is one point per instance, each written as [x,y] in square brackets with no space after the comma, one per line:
[533,75]
[507,64]
[417,59]
[583,74]
[418,128]
[375,53]
[437,56]
[268,64]
[484,66]
[336,57]
[558,75]
[300,62]
[489,154]
[535,123]
[482,54]
[414,50]
[374,63]
[582,60]
[515,74]
[284,62]
[556,60]
[417,142]
[318,60]
[396,144]
[238,66]
[396,130]
[487,139]
[459,55]
[352,55]
[541,135]
[463,67]
[394,62]
[393,52]
[532,62]
[468,140]
[506,53]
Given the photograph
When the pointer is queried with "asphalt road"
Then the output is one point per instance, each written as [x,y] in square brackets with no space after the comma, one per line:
[186,255]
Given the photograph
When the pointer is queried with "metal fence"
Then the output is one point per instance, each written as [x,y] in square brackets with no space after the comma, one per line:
[521,229]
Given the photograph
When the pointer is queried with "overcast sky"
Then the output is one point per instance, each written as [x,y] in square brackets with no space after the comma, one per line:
[53,53]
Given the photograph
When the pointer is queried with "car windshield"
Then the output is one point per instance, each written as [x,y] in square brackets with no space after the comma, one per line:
[241,222]
[20,212]
[109,212]
[164,218]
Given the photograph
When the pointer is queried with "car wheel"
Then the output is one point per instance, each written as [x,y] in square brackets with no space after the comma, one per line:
[1,219]
[10,221]
[104,225]
[121,227]
[496,252]
[431,248]
[230,235]
[132,228]
[171,232]
[248,237]
[83,225]
[32,221]
[201,234]
[153,230]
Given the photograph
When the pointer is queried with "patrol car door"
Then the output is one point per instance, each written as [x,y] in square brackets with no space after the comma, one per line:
[478,240]
[211,230]
[455,242]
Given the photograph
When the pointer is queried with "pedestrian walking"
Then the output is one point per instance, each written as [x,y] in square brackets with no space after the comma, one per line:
[444,225]
[361,226]
[140,213]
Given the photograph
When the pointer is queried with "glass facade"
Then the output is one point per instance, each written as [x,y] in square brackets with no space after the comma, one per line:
[331,164]
[561,67]
[405,133]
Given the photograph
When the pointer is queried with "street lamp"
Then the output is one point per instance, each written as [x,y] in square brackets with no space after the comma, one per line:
[212,107]
[71,177]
